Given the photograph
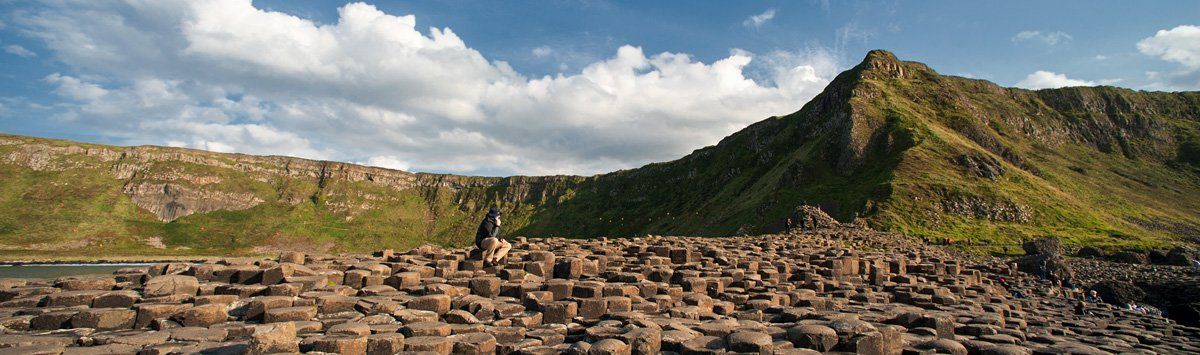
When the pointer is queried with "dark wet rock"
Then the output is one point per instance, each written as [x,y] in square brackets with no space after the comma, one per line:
[1181,256]
[1118,292]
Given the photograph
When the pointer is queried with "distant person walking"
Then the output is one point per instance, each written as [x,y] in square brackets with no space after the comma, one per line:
[489,240]
[787,226]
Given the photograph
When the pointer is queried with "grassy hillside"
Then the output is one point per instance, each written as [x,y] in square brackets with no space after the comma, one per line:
[891,142]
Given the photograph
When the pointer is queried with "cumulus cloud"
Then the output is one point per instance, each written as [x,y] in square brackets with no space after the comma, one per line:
[757,21]
[1047,38]
[1180,44]
[19,51]
[1042,79]
[387,161]
[372,87]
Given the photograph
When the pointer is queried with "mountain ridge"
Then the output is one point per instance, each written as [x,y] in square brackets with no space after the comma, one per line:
[890,141]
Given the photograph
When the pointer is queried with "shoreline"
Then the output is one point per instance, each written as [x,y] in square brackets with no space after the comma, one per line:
[112,260]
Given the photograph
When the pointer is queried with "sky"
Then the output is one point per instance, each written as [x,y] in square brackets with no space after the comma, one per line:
[526,87]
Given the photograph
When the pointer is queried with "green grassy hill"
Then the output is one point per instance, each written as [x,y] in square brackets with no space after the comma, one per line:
[891,142]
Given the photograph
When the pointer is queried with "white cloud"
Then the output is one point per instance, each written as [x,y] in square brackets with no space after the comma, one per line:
[757,21]
[1100,57]
[387,161]
[19,51]
[542,51]
[1048,38]
[1180,44]
[1042,79]
[371,87]
[75,89]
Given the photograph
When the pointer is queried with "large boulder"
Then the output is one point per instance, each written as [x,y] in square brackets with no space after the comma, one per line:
[1131,257]
[1157,256]
[1187,313]
[1051,245]
[1118,292]
[1091,252]
[1056,266]
[1181,255]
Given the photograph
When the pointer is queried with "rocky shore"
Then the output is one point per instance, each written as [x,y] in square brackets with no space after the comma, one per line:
[833,290]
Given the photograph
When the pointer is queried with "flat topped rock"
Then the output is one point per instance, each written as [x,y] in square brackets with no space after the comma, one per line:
[821,291]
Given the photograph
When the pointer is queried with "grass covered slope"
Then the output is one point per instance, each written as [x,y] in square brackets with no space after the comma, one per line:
[888,141]
[61,199]
[933,156]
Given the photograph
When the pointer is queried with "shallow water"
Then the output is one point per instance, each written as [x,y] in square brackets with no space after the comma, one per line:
[59,270]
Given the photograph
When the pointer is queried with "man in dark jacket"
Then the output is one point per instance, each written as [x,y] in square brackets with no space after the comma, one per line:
[489,240]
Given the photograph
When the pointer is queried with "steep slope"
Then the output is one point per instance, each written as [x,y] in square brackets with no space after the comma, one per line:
[934,156]
[892,142]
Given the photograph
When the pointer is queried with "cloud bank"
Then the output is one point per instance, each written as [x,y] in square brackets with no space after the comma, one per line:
[372,87]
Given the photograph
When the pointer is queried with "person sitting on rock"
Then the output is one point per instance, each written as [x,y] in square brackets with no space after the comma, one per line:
[489,240]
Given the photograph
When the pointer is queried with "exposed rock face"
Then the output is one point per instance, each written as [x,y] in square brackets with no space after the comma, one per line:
[801,293]
[170,202]
[987,209]
[983,166]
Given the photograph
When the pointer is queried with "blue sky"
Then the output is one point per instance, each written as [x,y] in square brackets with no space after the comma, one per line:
[496,88]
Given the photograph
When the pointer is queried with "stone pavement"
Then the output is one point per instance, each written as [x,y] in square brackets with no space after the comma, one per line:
[848,291]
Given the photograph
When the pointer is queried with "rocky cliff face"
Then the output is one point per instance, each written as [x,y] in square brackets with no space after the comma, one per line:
[889,142]
[170,202]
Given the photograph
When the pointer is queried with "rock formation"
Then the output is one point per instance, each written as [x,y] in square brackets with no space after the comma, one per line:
[817,291]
